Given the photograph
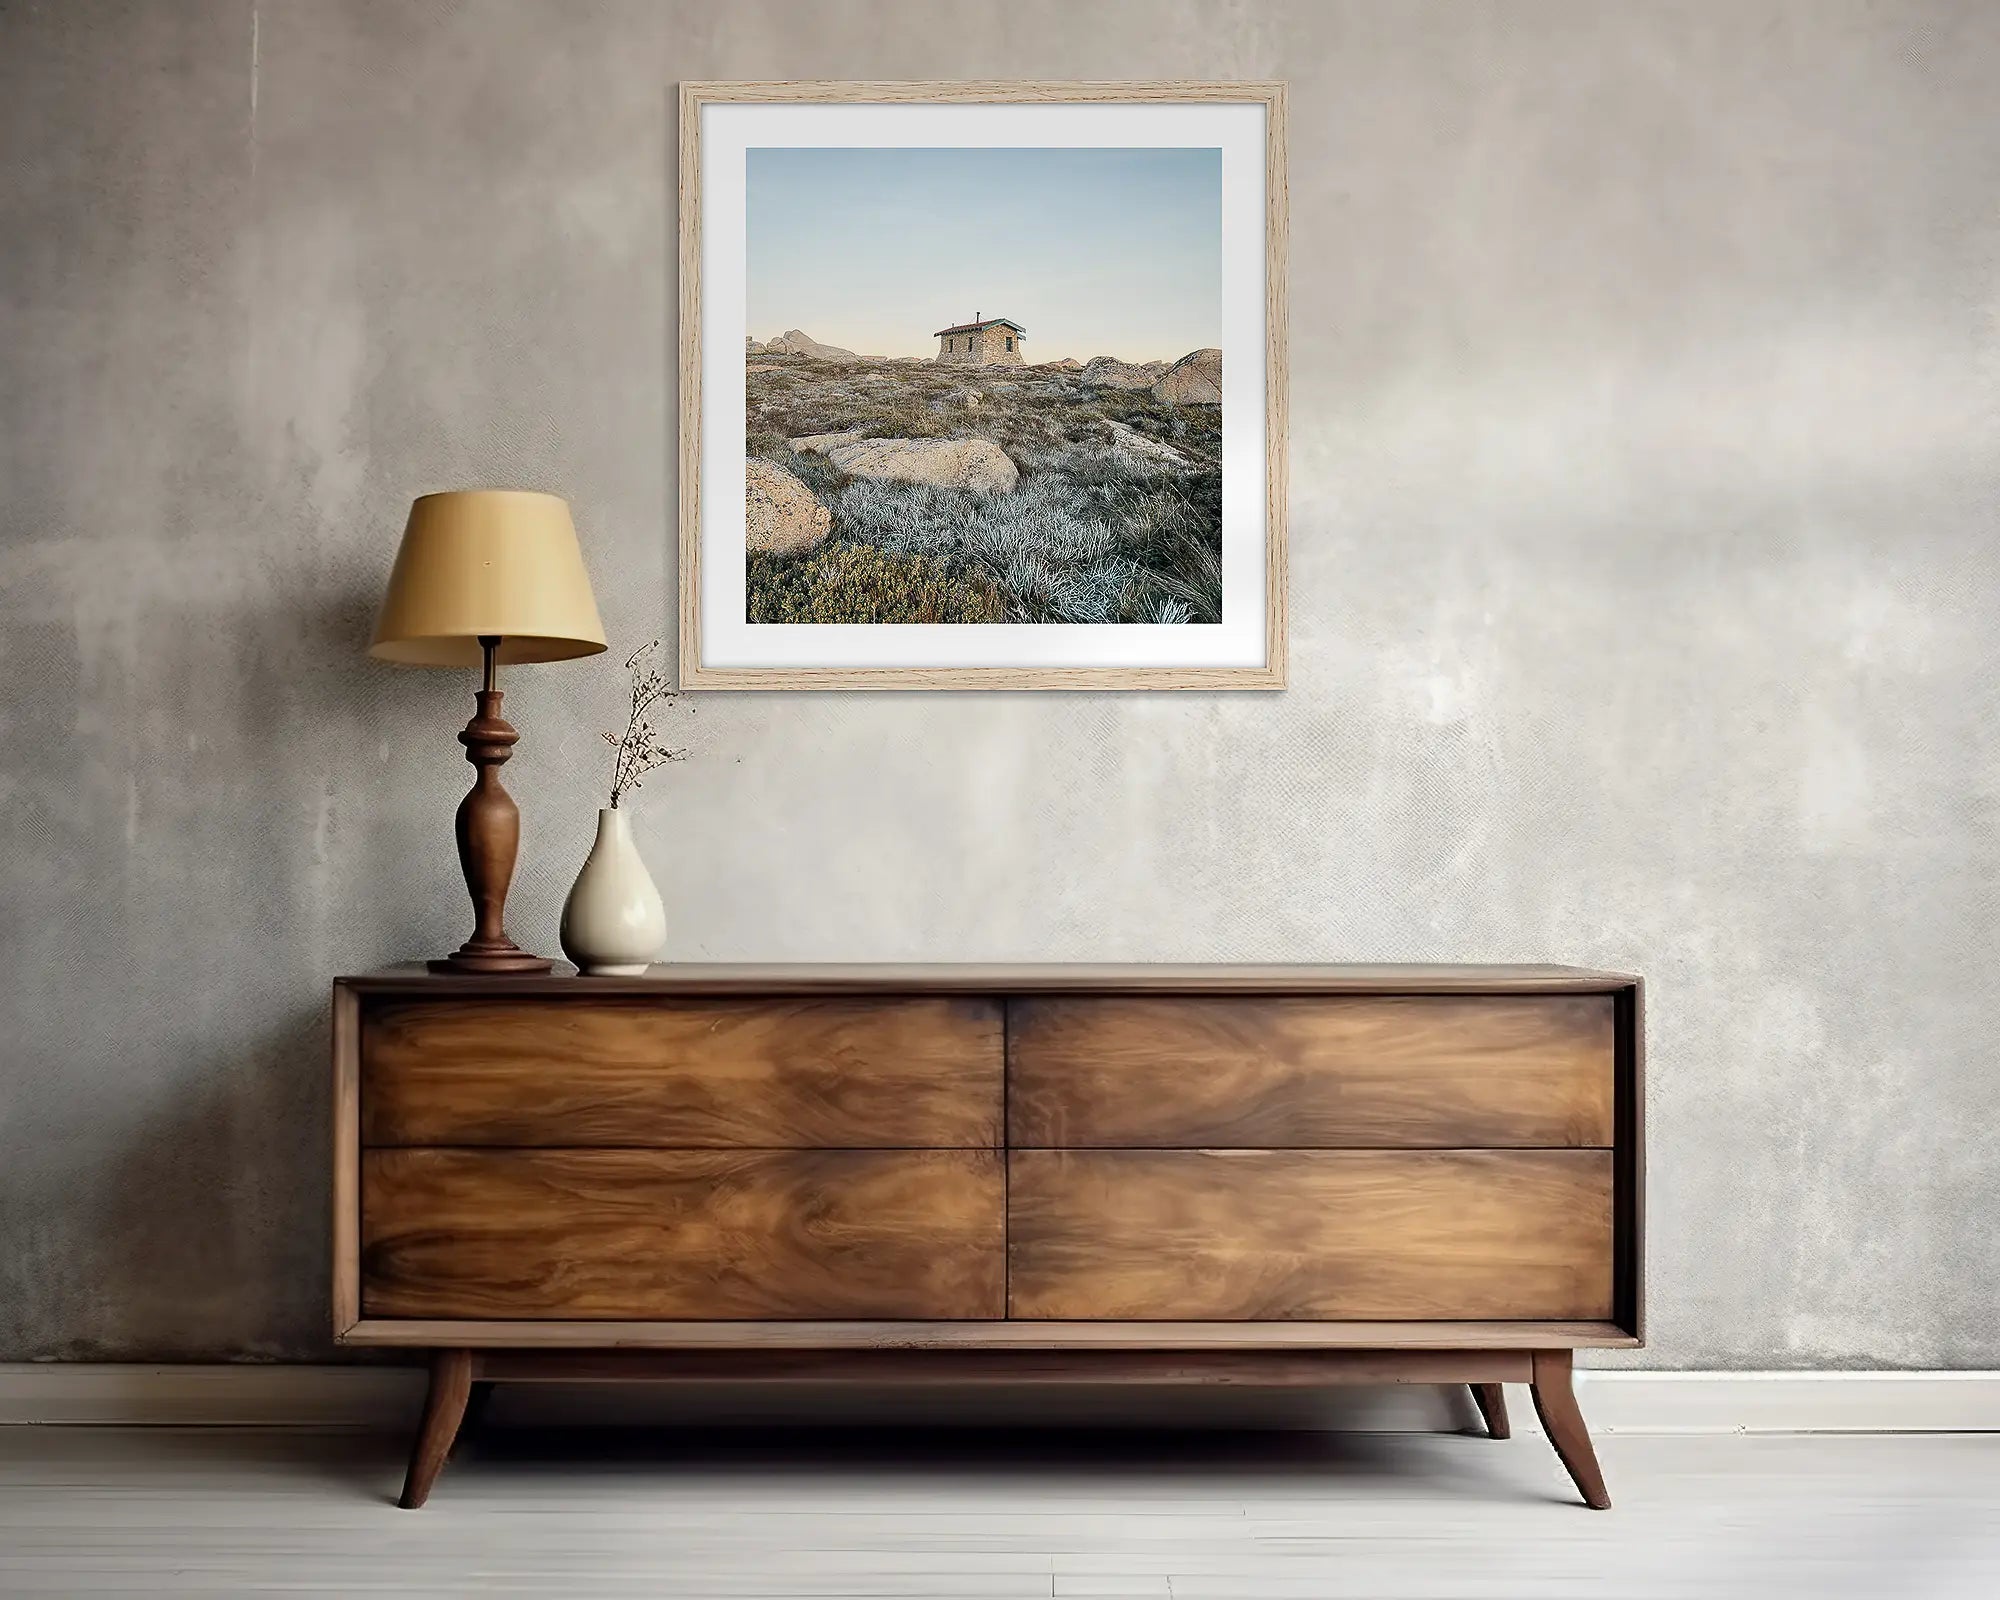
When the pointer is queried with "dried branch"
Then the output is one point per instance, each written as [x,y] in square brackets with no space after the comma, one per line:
[640,748]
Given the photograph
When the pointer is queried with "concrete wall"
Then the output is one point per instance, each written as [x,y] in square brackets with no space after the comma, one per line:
[1645,472]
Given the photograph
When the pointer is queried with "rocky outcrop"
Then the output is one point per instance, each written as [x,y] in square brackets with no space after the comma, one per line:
[1194,380]
[1143,450]
[794,343]
[780,513]
[823,442]
[1108,372]
[948,463]
[751,347]
[1067,364]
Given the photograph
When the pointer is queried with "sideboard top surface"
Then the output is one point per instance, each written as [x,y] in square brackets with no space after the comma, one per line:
[1039,978]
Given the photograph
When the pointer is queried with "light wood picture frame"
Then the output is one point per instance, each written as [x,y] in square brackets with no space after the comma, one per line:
[739,631]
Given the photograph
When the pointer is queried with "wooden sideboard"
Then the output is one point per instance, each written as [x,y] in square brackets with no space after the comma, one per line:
[951,1175]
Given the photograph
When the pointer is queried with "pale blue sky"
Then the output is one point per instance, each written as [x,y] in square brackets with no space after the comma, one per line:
[1095,252]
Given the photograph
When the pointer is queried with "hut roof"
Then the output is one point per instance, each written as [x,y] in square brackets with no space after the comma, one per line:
[974,327]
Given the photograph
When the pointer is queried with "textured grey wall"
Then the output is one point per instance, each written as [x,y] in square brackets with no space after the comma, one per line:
[1645,576]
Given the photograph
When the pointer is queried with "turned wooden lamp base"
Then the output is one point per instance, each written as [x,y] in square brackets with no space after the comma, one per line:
[476,963]
[489,836]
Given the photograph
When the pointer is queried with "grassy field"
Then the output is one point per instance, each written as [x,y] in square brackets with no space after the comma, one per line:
[1094,532]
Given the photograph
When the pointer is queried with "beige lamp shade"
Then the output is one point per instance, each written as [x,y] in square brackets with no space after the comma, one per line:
[496,562]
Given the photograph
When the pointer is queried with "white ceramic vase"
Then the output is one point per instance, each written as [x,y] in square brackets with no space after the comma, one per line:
[613,922]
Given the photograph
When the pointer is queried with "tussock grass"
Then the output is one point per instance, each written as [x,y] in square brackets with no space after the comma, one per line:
[1091,535]
[839,582]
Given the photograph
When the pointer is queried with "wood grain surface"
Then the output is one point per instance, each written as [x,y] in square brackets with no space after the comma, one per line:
[444,1411]
[502,1333]
[686,1074]
[344,1299]
[774,979]
[1277,1368]
[1491,1399]
[1277,1235]
[584,1234]
[1562,1421]
[1397,1071]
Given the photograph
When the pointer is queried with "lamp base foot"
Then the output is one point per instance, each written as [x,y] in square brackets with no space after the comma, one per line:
[510,962]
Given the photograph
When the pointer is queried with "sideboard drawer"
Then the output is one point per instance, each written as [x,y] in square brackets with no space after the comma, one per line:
[1278,1235]
[702,1234]
[1489,1071]
[683,1074]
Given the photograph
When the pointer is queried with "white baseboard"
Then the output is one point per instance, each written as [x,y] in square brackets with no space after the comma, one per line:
[378,1398]
[219,1395]
[1790,1402]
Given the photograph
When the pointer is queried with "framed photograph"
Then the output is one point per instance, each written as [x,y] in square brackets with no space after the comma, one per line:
[982,386]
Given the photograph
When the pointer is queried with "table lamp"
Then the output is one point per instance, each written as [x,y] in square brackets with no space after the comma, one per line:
[486,576]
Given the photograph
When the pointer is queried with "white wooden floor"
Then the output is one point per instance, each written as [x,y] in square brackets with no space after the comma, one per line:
[674,1516]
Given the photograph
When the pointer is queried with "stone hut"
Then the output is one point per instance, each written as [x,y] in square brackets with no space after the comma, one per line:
[982,342]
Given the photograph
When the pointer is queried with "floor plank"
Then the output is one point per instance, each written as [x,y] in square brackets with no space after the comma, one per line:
[1187,1516]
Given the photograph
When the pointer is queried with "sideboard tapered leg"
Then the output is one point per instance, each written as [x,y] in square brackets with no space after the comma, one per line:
[444,1409]
[1491,1399]
[1555,1404]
